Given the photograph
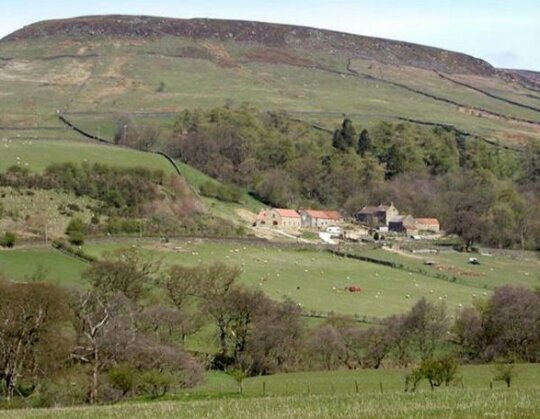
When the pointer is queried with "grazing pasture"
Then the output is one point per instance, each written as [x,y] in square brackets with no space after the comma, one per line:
[494,269]
[44,262]
[36,155]
[315,279]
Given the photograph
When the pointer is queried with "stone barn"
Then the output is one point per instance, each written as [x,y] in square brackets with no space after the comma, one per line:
[320,219]
[428,224]
[377,216]
[284,218]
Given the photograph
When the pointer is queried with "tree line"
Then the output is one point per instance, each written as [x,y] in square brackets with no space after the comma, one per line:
[481,192]
[125,332]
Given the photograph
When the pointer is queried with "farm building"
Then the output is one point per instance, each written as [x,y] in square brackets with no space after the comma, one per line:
[279,217]
[402,224]
[427,224]
[377,216]
[320,219]
[261,218]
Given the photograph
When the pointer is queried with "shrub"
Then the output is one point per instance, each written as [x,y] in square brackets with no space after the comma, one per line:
[161,87]
[124,378]
[504,372]
[75,231]
[225,193]
[74,207]
[437,371]
[156,383]
[71,387]
[76,238]
[8,240]
[123,225]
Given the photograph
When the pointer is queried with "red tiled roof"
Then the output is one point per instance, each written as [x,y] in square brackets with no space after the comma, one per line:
[426,221]
[290,213]
[326,215]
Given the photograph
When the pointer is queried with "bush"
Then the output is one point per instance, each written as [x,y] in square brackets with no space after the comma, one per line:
[156,383]
[124,378]
[505,372]
[437,371]
[75,231]
[66,389]
[8,240]
[123,225]
[76,238]
[225,193]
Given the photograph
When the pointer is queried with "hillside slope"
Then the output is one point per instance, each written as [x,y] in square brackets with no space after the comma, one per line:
[95,68]
[266,34]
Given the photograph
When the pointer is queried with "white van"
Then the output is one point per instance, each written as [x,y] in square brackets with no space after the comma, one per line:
[335,231]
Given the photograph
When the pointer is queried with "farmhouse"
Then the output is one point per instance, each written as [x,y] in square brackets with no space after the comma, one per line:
[280,218]
[428,224]
[402,224]
[377,216]
[320,219]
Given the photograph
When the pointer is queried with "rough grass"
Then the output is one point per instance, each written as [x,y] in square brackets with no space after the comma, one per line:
[24,211]
[333,395]
[125,80]
[346,382]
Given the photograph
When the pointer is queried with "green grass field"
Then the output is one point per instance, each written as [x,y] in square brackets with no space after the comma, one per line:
[38,154]
[21,264]
[493,271]
[314,279]
[342,394]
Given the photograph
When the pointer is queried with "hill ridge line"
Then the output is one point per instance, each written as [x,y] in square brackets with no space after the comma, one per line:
[257,33]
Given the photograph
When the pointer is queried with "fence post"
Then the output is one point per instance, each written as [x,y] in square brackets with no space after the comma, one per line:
[356,386]
[286,389]
[308,389]
[333,388]
[264,388]
[381,386]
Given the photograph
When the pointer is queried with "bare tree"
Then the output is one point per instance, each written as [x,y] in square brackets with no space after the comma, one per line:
[92,315]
